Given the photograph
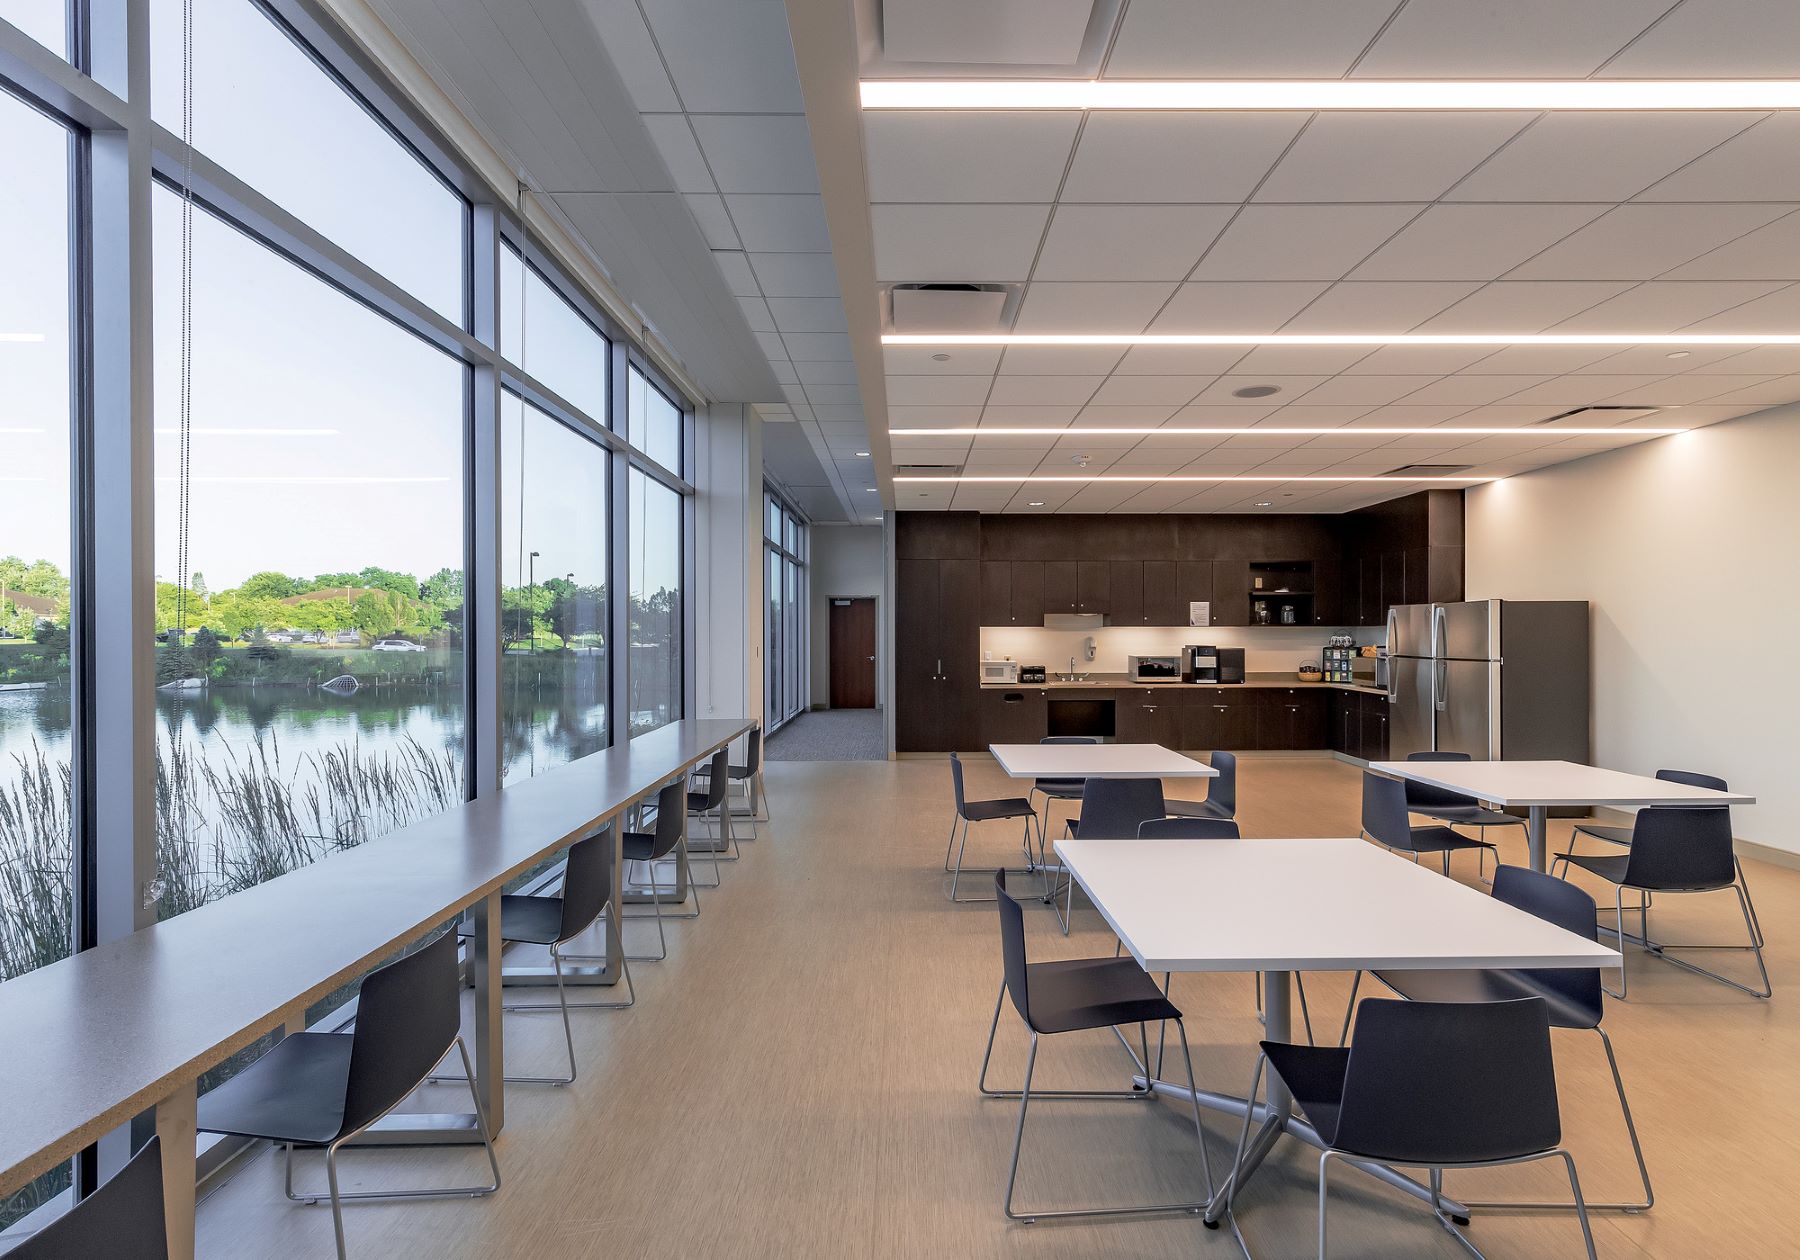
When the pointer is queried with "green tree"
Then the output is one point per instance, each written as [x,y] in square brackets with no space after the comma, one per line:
[206,647]
[197,584]
[268,584]
[260,648]
[443,590]
[405,585]
[374,614]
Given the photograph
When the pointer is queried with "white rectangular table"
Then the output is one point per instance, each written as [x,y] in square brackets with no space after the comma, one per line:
[1097,761]
[1540,785]
[1282,906]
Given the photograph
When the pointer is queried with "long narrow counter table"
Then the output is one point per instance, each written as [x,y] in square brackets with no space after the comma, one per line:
[130,1025]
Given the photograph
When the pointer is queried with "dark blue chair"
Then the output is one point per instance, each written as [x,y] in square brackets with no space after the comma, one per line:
[1385,820]
[1572,994]
[1074,995]
[122,1220]
[1433,1085]
[1454,808]
[1622,835]
[969,812]
[1111,809]
[1184,827]
[1221,793]
[1676,850]
[1056,789]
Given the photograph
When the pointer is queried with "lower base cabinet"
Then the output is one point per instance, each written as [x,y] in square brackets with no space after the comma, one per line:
[1149,715]
[1237,719]
[1356,725]
[1012,716]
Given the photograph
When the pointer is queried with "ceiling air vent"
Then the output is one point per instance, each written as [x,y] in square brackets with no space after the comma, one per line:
[1600,413]
[1427,470]
[949,308]
[928,470]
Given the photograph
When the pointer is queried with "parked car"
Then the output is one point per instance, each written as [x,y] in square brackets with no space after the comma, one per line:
[396,645]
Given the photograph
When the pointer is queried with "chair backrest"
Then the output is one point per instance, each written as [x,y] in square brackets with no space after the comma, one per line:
[1012,947]
[1449,1082]
[753,750]
[122,1220]
[1424,797]
[407,1016]
[1569,908]
[587,885]
[1384,811]
[716,778]
[1188,829]
[1693,778]
[1114,809]
[671,818]
[1222,791]
[1687,847]
[1070,739]
[956,784]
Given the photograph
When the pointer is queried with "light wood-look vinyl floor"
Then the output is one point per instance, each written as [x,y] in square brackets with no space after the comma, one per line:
[798,1080]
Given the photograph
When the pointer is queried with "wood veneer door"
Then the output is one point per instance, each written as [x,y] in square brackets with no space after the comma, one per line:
[917,657]
[853,653]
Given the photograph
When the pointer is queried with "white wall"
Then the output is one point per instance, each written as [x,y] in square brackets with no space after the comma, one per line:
[1688,548]
[845,561]
[728,588]
[1267,649]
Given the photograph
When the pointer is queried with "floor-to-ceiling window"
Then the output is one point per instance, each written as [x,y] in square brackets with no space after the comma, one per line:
[786,684]
[655,427]
[37,875]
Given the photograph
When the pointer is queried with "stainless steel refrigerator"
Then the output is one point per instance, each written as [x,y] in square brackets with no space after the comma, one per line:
[1496,679]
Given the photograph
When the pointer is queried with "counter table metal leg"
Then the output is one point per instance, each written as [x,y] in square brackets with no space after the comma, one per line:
[1537,835]
[490,1054]
[175,1126]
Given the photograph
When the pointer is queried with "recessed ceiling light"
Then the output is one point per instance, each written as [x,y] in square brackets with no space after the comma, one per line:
[1035,503]
[1677,354]
[1620,94]
[941,358]
[1256,391]
[994,431]
[1262,503]
[1340,339]
[862,454]
[869,489]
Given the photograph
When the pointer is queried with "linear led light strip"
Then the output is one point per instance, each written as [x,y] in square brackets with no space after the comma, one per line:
[1330,94]
[1152,479]
[1145,431]
[1340,339]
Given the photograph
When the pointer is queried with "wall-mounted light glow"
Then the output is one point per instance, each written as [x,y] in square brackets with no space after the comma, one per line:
[1340,339]
[1153,479]
[1619,94]
[1528,430]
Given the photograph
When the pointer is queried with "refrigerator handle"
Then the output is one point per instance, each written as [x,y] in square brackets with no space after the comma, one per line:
[1440,684]
[1440,632]
[1393,631]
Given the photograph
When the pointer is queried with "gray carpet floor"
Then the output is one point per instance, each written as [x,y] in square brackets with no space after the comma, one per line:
[830,735]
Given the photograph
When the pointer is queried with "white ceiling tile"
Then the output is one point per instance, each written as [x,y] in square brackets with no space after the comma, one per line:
[826,373]
[1235,306]
[956,361]
[1298,360]
[1300,242]
[937,390]
[1225,39]
[728,55]
[1059,360]
[758,153]
[1291,389]
[735,267]
[633,53]
[674,140]
[1760,359]
[1416,360]
[1600,156]
[1053,306]
[1723,39]
[1693,358]
[1679,391]
[1521,306]
[1781,389]
[1185,157]
[1178,360]
[784,372]
[756,314]
[1125,415]
[715,225]
[1636,242]
[1473,242]
[1540,360]
[1031,415]
[771,344]
[1174,390]
[1372,390]
[1779,312]
[795,275]
[808,314]
[1310,413]
[1127,242]
[1223,415]
[1535,39]
[817,346]
[1013,391]
[956,244]
[1378,306]
[906,417]
[1768,253]
[1470,389]
[1406,413]
[1662,306]
[1392,156]
[833,395]
[1577,390]
[949,156]
[780,223]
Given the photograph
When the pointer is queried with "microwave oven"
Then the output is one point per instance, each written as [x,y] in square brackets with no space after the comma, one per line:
[1004,672]
[1146,669]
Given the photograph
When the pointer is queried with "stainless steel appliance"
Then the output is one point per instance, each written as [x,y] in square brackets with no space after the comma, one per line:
[1231,665]
[1201,663]
[1496,679]
[1031,673]
[1153,669]
[1003,672]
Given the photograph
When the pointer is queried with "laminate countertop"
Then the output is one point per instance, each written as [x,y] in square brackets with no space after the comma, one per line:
[1115,682]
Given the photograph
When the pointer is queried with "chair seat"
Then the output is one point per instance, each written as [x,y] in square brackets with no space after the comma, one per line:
[1612,835]
[731,772]
[294,1093]
[698,801]
[1474,816]
[1176,807]
[636,846]
[1094,993]
[1061,789]
[1314,1075]
[1489,986]
[1005,807]
[1612,870]
[1442,839]
[531,920]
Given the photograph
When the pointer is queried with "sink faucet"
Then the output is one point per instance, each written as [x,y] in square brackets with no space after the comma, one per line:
[1071,668]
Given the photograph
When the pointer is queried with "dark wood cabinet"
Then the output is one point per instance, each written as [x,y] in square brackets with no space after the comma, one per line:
[1219,717]
[1093,586]
[1126,592]
[1027,593]
[1193,584]
[1061,593]
[1291,718]
[996,593]
[959,639]
[1231,593]
[1162,602]
[937,654]
[1012,715]
[1374,728]
[1148,715]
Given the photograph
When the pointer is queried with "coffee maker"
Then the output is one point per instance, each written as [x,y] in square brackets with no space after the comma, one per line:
[1199,664]
[1231,665]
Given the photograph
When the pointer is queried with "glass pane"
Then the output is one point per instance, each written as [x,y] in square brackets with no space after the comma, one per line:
[46,21]
[316,699]
[655,423]
[36,861]
[655,525]
[794,638]
[772,530]
[545,335]
[269,113]
[553,592]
